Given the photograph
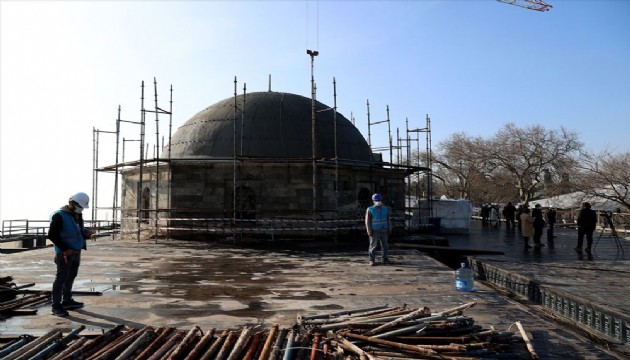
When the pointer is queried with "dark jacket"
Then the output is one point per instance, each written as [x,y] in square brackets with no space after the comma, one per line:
[509,211]
[587,219]
[539,221]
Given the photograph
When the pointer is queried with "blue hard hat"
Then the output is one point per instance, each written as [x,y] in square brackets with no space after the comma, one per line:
[376,197]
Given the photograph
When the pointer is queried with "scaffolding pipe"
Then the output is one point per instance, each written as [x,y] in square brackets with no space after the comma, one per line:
[35,346]
[312,54]
[369,127]
[170,129]
[117,171]
[430,167]
[234,127]
[389,132]
[164,334]
[94,167]
[267,346]
[9,349]
[239,346]
[216,346]
[157,162]
[201,345]
[240,163]
[243,116]
[336,154]
[140,180]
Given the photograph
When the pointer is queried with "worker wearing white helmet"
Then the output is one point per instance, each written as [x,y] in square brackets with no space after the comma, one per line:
[68,234]
[379,226]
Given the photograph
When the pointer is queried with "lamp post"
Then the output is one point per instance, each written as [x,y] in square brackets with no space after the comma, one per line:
[312,54]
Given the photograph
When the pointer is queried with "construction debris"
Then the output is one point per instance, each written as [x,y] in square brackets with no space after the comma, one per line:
[375,333]
[16,300]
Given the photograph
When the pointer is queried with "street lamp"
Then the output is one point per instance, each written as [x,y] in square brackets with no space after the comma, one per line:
[312,54]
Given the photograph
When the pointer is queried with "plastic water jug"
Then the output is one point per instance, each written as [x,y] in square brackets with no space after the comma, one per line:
[464,279]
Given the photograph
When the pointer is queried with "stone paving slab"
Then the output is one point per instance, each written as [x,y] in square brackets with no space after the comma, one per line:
[187,284]
[591,290]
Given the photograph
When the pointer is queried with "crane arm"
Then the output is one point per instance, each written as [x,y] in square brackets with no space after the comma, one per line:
[537,5]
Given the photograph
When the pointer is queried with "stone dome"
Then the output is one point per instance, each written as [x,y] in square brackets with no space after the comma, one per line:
[273,125]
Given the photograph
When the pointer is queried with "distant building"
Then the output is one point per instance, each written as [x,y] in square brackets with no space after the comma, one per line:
[245,166]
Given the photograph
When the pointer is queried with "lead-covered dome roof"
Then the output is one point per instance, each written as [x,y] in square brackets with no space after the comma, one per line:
[273,125]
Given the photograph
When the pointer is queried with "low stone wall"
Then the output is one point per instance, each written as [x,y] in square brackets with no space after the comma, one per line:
[599,320]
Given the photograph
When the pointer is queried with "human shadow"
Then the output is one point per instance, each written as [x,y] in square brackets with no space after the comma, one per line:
[112,320]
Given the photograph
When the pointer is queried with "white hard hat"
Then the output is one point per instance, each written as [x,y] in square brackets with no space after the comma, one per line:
[82,199]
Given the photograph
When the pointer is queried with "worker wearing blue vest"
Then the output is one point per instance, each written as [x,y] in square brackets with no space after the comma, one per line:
[68,234]
[378,225]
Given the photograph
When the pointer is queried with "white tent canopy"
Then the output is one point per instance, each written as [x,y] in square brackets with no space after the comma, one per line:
[575,200]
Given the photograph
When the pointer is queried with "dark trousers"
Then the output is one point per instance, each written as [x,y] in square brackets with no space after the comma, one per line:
[67,270]
[589,237]
[538,231]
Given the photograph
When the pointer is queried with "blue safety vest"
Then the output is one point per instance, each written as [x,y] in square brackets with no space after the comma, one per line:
[379,217]
[71,232]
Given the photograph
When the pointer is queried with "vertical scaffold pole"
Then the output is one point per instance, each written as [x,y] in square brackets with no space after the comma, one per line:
[168,191]
[336,158]
[234,127]
[430,166]
[312,54]
[116,172]
[94,167]
[140,180]
[157,159]
[389,132]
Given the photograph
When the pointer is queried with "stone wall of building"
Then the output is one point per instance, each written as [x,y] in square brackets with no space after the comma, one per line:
[200,194]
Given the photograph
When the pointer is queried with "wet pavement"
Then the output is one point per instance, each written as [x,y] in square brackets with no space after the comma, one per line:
[590,290]
[225,286]
[602,277]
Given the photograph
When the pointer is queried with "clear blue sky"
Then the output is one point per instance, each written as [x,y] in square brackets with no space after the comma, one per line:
[471,65]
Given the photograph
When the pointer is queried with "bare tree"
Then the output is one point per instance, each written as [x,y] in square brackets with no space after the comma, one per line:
[457,168]
[515,161]
[607,176]
[527,153]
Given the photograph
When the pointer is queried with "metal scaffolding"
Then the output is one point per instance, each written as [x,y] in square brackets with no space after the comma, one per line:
[154,219]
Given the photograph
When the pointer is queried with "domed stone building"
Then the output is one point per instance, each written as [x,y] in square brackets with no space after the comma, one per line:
[245,166]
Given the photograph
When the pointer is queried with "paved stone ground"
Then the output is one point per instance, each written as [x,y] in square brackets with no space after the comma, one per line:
[187,284]
[602,277]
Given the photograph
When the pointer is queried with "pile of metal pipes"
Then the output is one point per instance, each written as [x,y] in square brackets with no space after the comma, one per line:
[16,301]
[376,333]
[415,333]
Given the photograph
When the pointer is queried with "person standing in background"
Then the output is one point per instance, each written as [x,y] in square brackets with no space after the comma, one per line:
[379,227]
[494,216]
[527,225]
[539,224]
[68,234]
[508,214]
[586,222]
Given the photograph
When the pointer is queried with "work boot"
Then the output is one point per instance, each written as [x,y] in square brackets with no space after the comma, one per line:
[71,304]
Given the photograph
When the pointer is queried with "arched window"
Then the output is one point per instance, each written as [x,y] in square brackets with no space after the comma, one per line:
[145,205]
